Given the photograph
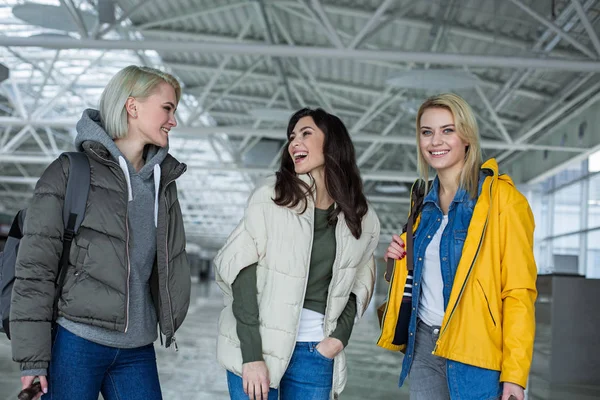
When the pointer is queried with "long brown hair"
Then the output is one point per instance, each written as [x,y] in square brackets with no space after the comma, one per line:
[342,177]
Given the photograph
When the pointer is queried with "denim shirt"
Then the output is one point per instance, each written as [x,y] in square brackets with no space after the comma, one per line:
[464,381]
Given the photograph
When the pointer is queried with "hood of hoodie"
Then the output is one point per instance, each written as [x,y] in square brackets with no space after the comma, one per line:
[90,129]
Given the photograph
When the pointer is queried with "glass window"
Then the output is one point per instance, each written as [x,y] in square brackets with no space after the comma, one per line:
[543,220]
[594,162]
[573,171]
[539,206]
[567,209]
[548,184]
[594,202]
[565,254]
[542,258]
[593,255]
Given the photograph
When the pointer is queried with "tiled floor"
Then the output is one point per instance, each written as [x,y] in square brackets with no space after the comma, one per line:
[193,373]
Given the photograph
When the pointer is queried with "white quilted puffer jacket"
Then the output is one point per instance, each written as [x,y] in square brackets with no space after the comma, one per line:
[279,239]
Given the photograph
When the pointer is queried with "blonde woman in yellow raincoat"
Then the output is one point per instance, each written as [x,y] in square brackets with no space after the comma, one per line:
[471,289]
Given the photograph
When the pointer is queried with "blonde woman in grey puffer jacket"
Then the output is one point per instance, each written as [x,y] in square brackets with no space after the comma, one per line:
[128,269]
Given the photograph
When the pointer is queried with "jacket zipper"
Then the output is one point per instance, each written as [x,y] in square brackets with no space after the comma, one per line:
[126,241]
[312,237]
[334,270]
[167,278]
[462,289]
[333,276]
[128,266]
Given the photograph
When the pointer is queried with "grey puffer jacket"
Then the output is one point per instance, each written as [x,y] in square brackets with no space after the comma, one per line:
[96,285]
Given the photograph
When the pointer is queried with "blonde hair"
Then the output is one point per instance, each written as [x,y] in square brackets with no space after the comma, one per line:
[466,129]
[131,81]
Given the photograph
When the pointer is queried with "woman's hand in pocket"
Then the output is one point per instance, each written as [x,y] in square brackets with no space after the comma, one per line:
[330,347]
[396,250]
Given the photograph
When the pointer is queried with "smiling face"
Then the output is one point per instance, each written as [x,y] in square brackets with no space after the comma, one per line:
[440,145]
[151,118]
[306,146]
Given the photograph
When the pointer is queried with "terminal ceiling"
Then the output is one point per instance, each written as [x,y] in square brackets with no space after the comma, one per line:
[523,65]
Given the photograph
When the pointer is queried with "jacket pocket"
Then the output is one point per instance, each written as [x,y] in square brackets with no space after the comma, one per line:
[460,235]
[487,303]
[82,246]
[179,289]
[79,255]
[321,356]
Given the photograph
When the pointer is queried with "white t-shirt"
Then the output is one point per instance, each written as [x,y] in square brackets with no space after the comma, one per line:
[431,305]
[311,326]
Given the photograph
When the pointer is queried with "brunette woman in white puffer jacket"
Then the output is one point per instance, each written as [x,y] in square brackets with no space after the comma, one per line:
[298,269]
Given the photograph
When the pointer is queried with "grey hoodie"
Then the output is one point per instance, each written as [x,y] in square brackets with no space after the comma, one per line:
[141,212]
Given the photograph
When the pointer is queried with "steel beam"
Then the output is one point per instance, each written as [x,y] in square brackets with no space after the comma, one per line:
[187,14]
[198,132]
[261,13]
[306,52]
[491,36]
[341,86]
[321,18]
[522,139]
[587,25]
[557,29]
[519,77]
[372,23]
[126,14]
[215,77]
[19,180]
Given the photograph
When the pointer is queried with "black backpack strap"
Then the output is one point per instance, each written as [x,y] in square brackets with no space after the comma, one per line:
[8,260]
[417,196]
[78,187]
[16,229]
[416,199]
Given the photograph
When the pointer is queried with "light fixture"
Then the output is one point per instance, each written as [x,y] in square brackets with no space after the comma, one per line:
[433,79]
[106,11]
[271,114]
[389,189]
[52,35]
[594,162]
[51,17]
[3,72]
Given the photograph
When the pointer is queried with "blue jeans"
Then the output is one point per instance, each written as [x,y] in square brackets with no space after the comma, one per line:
[81,369]
[309,376]
[436,378]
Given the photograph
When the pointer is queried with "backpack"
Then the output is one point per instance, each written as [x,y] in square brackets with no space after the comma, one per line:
[78,186]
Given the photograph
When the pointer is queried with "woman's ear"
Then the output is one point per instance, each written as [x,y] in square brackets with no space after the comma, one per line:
[131,107]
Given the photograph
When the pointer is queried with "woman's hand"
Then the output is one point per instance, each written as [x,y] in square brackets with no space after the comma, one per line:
[396,249]
[330,347]
[255,376]
[511,389]
[27,382]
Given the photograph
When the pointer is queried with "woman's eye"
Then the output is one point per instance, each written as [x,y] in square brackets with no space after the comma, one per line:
[448,130]
[425,133]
